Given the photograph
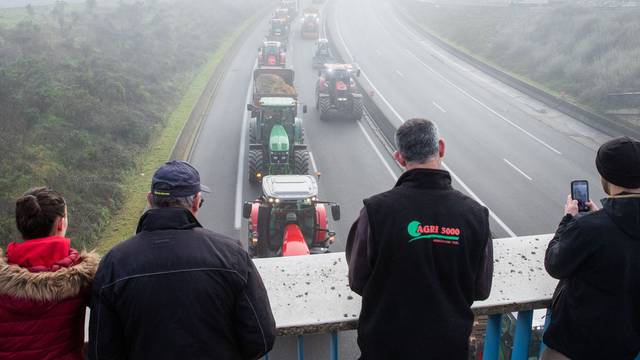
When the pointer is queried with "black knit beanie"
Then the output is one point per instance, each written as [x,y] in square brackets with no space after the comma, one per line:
[618,161]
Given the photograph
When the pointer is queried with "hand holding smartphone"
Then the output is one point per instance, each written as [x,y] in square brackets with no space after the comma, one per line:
[580,192]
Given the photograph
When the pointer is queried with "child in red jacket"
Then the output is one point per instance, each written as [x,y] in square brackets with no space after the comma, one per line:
[44,284]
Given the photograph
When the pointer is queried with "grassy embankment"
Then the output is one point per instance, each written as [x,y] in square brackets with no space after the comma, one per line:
[581,54]
[93,97]
[136,184]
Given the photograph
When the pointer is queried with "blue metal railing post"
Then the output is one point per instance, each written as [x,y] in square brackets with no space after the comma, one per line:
[522,336]
[334,345]
[300,347]
[492,338]
[266,356]
[547,321]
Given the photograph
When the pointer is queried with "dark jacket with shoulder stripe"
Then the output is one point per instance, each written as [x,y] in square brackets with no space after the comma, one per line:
[419,255]
[178,291]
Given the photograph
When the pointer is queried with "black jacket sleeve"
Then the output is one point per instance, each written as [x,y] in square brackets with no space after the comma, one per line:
[484,276]
[359,253]
[106,340]
[568,249]
[256,328]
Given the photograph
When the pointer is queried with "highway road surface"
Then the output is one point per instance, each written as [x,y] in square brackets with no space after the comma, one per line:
[510,152]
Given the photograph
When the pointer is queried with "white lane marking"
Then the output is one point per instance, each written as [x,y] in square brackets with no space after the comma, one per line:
[518,169]
[243,143]
[439,107]
[375,148]
[493,215]
[399,73]
[313,163]
[500,116]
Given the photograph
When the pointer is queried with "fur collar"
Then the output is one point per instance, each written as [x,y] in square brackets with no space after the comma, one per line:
[65,283]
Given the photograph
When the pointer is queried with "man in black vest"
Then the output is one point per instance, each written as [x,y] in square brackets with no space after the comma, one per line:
[419,254]
[176,290]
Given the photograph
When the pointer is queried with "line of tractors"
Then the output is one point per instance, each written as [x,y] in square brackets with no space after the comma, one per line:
[288,219]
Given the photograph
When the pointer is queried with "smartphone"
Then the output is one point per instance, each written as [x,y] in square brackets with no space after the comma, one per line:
[580,192]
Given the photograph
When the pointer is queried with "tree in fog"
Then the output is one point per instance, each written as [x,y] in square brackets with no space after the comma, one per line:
[91,5]
[30,11]
[58,13]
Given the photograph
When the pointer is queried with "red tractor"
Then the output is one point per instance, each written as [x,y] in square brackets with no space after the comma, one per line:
[288,220]
[310,28]
[272,54]
[336,92]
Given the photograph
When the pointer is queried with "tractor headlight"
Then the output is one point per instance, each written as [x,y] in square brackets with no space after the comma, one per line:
[270,200]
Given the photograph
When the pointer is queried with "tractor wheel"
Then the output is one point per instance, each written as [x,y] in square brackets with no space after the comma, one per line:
[357,108]
[256,165]
[301,162]
[324,104]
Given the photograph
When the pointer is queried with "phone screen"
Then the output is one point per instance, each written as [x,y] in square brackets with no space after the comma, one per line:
[580,192]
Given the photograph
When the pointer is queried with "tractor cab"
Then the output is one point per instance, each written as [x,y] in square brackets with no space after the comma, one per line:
[288,219]
[337,92]
[271,53]
[278,31]
[291,6]
[322,54]
[322,48]
[310,28]
[282,14]
[276,139]
[338,78]
[277,27]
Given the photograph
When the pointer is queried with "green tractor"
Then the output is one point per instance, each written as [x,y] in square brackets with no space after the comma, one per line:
[276,136]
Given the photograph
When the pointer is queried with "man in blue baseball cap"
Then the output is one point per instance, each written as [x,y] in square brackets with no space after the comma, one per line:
[176,290]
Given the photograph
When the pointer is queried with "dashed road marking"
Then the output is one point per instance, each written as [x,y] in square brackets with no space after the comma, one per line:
[439,107]
[487,107]
[518,169]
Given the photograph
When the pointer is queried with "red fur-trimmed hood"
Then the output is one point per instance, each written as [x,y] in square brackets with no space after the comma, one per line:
[67,282]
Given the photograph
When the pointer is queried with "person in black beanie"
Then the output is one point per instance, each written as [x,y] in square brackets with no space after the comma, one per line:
[595,311]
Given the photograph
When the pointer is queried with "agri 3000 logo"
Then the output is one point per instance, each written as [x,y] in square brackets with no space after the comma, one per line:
[436,233]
